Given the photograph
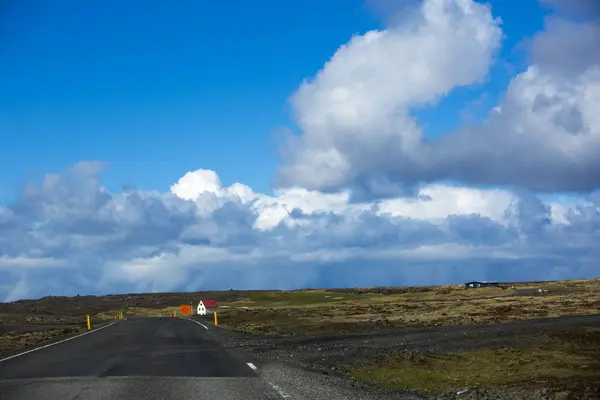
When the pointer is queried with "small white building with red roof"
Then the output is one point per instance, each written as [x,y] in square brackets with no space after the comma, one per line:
[205,306]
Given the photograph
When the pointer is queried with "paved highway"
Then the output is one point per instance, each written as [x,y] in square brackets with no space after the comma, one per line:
[136,358]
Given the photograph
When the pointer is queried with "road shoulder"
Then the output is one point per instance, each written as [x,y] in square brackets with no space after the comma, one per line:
[55,340]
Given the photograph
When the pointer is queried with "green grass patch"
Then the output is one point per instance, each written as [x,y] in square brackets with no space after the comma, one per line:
[17,340]
[316,297]
[278,299]
[105,315]
[562,356]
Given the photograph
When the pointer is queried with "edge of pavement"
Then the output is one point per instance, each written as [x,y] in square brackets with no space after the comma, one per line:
[30,347]
[217,332]
[292,380]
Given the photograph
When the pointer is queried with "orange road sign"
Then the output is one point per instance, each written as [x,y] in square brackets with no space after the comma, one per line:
[185,309]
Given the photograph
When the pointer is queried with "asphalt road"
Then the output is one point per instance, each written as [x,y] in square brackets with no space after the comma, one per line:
[137,358]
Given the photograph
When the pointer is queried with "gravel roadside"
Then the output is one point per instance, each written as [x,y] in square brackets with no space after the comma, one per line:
[293,382]
[319,366]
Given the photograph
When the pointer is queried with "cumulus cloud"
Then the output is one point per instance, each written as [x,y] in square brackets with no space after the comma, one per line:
[543,136]
[68,234]
[354,114]
[567,47]
[357,129]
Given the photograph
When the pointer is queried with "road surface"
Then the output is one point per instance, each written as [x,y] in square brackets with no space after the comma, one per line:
[134,359]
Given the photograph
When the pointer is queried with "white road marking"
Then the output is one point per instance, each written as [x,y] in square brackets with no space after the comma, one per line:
[61,341]
[279,391]
[252,366]
[199,323]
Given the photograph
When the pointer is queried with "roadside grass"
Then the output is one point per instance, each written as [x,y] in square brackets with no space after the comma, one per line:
[16,340]
[301,298]
[339,310]
[151,312]
[28,319]
[105,315]
[346,310]
[566,357]
[322,312]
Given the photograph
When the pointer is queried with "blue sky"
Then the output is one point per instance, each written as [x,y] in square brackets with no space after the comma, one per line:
[161,89]
[275,144]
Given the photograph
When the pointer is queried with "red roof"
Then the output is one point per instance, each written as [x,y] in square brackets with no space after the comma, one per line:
[209,303]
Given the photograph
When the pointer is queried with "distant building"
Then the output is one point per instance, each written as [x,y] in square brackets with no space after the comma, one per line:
[205,306]
[480,284]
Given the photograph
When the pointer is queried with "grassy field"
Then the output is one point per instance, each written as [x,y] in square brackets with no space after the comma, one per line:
[350,310]
[563,360]
[569,359]
[16,340]
[21,331]
[139,311]
[343,310]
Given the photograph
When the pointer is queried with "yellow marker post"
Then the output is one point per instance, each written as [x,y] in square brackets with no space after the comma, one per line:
[89,323]
[216,321]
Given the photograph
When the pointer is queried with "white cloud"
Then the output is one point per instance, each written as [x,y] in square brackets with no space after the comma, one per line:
[95,240]
[545,136]
[192,184]
[436,202]
[355,115]
[271,210]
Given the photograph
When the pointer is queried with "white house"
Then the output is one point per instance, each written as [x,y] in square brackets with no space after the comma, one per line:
[205,306]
